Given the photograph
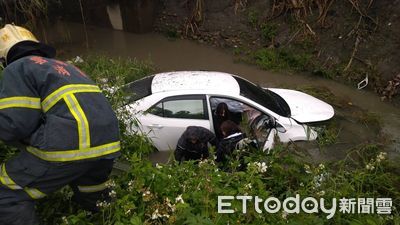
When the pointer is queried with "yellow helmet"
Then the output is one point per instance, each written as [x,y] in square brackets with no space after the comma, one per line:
[10,35]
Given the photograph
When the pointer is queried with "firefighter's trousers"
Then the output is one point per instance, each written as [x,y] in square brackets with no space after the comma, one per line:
[25,178]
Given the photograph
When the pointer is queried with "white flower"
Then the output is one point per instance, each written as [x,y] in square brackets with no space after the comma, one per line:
[248,186]
[307,168]
[158,166]
[130,185]
[103,204]
[318,179]
[112,194]
[261,166]
[155,215]
[321,166]
[179,199]
[381,156]
[171,206]
[202,162]
[169,176]
[284,215]
[370,166]
[110,184]
[146,193]
[65,220]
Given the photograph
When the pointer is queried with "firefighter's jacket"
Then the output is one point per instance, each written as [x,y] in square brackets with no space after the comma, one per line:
[56,111]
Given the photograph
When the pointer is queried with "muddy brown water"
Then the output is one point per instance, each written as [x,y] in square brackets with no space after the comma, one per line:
[175,55]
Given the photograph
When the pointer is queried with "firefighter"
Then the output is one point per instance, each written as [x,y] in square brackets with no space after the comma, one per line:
[64,126]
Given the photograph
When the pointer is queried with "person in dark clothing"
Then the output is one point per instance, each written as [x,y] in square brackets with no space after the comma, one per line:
[222,114]
[231,136]
[193,144]
[64,126]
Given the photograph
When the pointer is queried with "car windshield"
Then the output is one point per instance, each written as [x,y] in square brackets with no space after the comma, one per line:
[264,97]
[138,89]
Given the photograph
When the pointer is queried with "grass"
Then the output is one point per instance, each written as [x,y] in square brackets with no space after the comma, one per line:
[100,67]
[328,135]
[253,17]
[268,31]
[172,33]
[280,59]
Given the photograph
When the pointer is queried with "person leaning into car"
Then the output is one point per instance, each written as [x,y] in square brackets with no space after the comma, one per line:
[232,134]
[193,144]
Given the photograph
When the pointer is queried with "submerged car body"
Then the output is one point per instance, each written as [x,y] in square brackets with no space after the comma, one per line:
[166,103]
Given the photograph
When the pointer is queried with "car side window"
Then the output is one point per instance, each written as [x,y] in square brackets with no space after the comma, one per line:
[180,108]
[157,109]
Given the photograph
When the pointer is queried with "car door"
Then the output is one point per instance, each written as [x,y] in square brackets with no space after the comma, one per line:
[251,120]
[167,120]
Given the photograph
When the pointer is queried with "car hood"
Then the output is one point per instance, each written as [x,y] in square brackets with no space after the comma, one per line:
[305,108]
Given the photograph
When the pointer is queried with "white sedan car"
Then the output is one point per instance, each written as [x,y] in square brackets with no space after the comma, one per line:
[166,103]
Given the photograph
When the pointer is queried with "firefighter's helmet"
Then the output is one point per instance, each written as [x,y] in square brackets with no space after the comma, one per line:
[10,35]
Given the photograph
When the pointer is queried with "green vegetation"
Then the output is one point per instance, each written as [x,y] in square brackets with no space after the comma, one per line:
[268,31]
[172,33]
[253,17]
[187,193]
[328,135]
[281,59]
[114,71]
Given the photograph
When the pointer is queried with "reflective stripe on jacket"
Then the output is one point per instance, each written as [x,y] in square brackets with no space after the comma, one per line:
[56,110]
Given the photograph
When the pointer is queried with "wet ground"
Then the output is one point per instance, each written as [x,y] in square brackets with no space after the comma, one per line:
[353,107]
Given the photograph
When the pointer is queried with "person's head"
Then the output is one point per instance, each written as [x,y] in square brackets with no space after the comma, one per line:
[192,136]
[17,42]
[222,110]
[228,127]
[193,140]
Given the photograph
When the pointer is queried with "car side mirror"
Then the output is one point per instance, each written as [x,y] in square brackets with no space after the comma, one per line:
[280,128]
[271,123]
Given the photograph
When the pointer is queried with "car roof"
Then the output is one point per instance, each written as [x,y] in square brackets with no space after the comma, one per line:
[205,81]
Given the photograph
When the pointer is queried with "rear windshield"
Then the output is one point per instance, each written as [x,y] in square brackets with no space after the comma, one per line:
[139,89]
[264,97]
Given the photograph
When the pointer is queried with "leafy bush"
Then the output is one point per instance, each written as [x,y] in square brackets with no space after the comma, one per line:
[253,17]
[268,31]
[281,59]
[187,193]
[115,71]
